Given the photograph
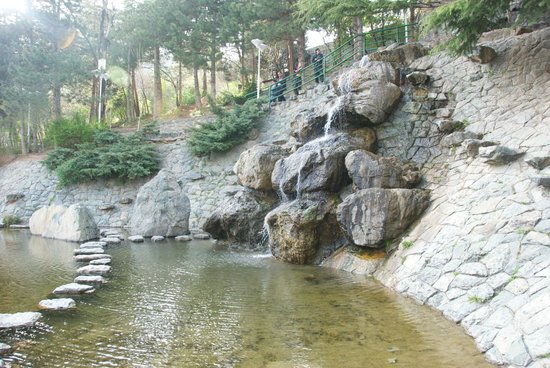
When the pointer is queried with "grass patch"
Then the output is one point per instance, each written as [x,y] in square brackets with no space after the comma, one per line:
[406,244]
[9,220]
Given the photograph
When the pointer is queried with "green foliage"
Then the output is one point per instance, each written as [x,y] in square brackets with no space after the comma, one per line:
[9,220]
[468,19]
[109,156]
[406,244]
[227,130]
[188,96]
[69,132]
[475,299]
[150,129]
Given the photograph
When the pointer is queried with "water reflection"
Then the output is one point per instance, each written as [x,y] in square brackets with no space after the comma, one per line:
[196,305]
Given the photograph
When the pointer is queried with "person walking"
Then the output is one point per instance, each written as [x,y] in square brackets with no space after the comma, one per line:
[318,66]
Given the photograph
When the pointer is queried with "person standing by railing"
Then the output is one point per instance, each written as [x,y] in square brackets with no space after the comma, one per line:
[318,66]
[297,79]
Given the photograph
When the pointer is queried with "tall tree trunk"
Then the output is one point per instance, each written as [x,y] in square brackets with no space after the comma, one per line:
[56,97]
[213,69]
[135,93]
[157,106]
[204,83]
[198,103]
[291,57]
[180,85]
[130,110]
[22,135]
[358,41]
[302,48]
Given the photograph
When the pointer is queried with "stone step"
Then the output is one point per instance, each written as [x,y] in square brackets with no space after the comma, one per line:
[94,270]
[90,279]
[16,320]
[90,257]
[74,288]
[101,261]
[88,251]
[57,304]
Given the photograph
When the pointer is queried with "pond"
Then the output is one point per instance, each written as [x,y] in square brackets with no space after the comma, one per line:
[197,304]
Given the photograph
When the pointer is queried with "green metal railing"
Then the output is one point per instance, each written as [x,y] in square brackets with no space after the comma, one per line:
[343,56]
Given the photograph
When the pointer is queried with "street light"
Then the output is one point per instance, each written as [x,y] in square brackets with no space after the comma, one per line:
[260,45]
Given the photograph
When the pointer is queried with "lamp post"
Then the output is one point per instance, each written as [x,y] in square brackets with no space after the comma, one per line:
[260,45]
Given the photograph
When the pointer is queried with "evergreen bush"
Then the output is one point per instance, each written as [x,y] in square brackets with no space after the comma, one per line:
[227,130]
[69,132]
[109,156]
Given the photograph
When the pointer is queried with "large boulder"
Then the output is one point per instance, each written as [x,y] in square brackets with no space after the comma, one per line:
[368,170]
[305,231]
[371,216]
[354,79]
[74,223]
[374,102]
[240,218]
[400,56]
[319,165]
[161,208]
[255,165]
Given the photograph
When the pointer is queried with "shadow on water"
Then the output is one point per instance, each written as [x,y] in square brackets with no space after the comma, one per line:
[196,304]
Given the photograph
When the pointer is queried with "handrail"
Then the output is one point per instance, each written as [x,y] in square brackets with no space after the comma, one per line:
[344,55]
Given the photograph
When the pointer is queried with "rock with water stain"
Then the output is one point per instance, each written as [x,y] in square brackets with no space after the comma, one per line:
[161,207]
[368,170]
[17,320]
[74,288]
[59,304]
[374,102]
[318,165]
[255,165]
[305,231]
[371,216]
[240,219]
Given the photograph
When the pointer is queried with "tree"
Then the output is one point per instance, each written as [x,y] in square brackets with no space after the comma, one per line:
[468,19]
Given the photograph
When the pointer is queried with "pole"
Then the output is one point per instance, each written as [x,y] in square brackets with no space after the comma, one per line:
[100,99]
[258,79]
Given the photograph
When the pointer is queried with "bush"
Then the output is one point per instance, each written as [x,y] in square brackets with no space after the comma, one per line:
[9,220]
[227,130]
[188,96]
[109,156]
[69,132]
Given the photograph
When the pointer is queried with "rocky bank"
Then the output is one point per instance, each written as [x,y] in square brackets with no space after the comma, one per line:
[479,133]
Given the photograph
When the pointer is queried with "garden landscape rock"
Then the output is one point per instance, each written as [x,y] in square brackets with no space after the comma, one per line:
[17,320]
[74,288]
[57,304]
[74,223]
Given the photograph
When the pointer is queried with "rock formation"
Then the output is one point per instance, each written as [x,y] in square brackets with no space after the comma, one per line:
[161,208]
[73,224]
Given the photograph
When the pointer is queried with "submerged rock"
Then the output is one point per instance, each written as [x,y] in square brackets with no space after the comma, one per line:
[74,288]
[17,320]
[161,208]
[74,223]
[240,219]
[305,231]
[57,304]
[255,165]
[371,216]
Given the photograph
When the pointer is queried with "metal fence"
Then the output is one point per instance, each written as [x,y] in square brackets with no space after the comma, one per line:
[343,56]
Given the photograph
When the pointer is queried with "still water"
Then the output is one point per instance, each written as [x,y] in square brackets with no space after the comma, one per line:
[199,305]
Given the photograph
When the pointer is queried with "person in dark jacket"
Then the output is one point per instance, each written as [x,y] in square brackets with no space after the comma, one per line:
[318,66]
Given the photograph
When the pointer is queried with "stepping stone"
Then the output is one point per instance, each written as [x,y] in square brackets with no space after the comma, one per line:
[136,239]
[19,226]
[110,240]
[57,304]
[90,257]
[4,349]
[102,261]
[157,238]
[74,288]
[17,320]
[89,251]
[202,236]
[183,238]
[90,280]
[94,270]
[94,244]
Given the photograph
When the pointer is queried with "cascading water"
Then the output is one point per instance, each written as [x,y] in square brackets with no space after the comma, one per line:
[335,114]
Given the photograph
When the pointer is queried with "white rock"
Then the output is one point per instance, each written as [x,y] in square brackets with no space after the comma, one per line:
[101,261]
[4,349]
[89,251]
[93,244]
[136,239]
[90,279]
[57,304]
[201,236]
[184,238]
[157,238]
[110,240]
[74,223]
[73,288]
[17,320]
[94,270]
[90,257]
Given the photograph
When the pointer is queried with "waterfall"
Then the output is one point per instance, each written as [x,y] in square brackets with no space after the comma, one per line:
[335,113]
[345,81]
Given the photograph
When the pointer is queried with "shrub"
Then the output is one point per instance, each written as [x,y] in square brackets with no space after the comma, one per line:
[188,96]
[109,156]
[69,132]
[9,220]
[227,130]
